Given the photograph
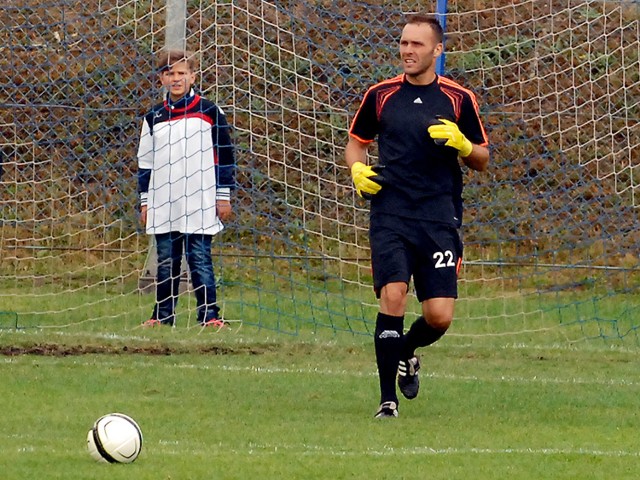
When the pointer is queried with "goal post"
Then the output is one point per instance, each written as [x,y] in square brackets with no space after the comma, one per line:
[175,38]
[176,25]
[551,230]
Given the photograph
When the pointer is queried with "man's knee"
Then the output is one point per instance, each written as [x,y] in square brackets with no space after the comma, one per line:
[439,321]
[393,298]
[438,313]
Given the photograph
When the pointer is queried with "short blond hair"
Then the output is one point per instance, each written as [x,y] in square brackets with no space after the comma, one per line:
[167,58]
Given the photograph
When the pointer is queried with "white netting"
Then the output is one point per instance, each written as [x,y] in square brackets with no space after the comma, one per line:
[550,234]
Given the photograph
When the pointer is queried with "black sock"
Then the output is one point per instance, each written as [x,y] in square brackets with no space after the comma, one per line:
[388,344]
[420,334]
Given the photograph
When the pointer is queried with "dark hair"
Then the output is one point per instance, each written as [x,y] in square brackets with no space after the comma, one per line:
[429,20]
[168,58]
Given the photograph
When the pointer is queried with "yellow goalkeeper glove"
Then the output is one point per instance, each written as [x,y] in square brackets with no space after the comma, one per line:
[452,135]
[362,179]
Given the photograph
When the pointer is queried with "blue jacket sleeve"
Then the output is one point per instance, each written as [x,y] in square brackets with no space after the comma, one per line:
[144,177]
[225,170]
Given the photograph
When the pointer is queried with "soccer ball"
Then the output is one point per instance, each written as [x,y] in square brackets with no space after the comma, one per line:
[114,438]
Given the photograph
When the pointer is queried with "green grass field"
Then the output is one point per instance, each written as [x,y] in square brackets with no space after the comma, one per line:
[241,404]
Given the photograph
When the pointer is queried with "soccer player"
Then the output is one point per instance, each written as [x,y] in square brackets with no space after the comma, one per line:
[185,177]
[424,124]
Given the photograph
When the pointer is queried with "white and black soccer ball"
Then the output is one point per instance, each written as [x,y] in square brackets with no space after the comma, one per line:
[115,438]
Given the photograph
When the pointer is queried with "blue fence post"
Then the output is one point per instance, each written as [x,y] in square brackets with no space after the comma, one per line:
[441,15]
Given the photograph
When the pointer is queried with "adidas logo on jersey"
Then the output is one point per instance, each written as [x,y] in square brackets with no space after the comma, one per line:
[417,100]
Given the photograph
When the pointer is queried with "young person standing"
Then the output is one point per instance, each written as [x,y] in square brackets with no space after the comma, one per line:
[185,177]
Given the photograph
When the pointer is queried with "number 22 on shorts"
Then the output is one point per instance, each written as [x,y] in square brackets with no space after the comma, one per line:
[444,259]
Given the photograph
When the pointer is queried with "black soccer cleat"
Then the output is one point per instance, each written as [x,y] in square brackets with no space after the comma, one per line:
[387,410]
[408,380]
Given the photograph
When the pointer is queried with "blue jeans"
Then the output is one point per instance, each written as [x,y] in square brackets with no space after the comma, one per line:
[197,249]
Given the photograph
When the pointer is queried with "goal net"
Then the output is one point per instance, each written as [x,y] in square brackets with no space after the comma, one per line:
[551,231]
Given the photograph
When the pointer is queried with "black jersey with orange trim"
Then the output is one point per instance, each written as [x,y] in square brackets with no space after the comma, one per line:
[422,180]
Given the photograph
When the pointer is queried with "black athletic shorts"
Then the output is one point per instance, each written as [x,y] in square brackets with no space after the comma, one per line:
[429,252]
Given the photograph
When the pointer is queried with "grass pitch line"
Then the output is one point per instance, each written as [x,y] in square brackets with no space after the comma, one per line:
[617,382]
[438,376]
[176,447]
[164,447]
[311,450]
